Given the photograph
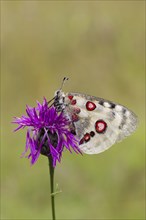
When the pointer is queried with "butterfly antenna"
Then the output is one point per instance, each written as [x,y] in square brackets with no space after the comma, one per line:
[63,81]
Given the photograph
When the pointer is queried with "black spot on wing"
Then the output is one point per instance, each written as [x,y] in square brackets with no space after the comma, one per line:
[124,111]
[112,105]
[101,102]
[123,122]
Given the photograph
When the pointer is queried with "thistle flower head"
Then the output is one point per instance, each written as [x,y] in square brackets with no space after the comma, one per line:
[48,132]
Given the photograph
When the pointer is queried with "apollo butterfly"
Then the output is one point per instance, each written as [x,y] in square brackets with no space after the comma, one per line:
[96,122]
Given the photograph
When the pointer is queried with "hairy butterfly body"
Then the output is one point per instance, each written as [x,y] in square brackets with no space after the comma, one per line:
[97,123]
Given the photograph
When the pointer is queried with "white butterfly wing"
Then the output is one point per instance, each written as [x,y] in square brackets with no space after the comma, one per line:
[98,123]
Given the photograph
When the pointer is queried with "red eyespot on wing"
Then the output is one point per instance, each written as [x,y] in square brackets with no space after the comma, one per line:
[81,141]
[100,126]
[90,106]
[73,102]
[75,118]
[87,137]
[77,110]
[70,97]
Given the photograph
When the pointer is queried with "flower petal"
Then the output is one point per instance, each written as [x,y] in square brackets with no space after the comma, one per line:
[43,122]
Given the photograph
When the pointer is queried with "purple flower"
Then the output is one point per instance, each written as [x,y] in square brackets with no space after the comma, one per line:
[48,132]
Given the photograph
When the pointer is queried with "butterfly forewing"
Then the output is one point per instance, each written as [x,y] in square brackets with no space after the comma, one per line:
[98,123]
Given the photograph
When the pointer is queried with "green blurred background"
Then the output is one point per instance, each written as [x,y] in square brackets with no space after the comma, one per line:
[99,45]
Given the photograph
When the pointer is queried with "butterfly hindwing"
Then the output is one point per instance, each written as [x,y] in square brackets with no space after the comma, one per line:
[98,123]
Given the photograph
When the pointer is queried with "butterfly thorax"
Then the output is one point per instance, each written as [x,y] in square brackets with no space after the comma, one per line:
[59,101]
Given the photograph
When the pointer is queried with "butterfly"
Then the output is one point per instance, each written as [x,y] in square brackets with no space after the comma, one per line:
[97,123]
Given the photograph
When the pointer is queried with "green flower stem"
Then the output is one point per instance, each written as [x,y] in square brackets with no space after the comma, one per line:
[51,169]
